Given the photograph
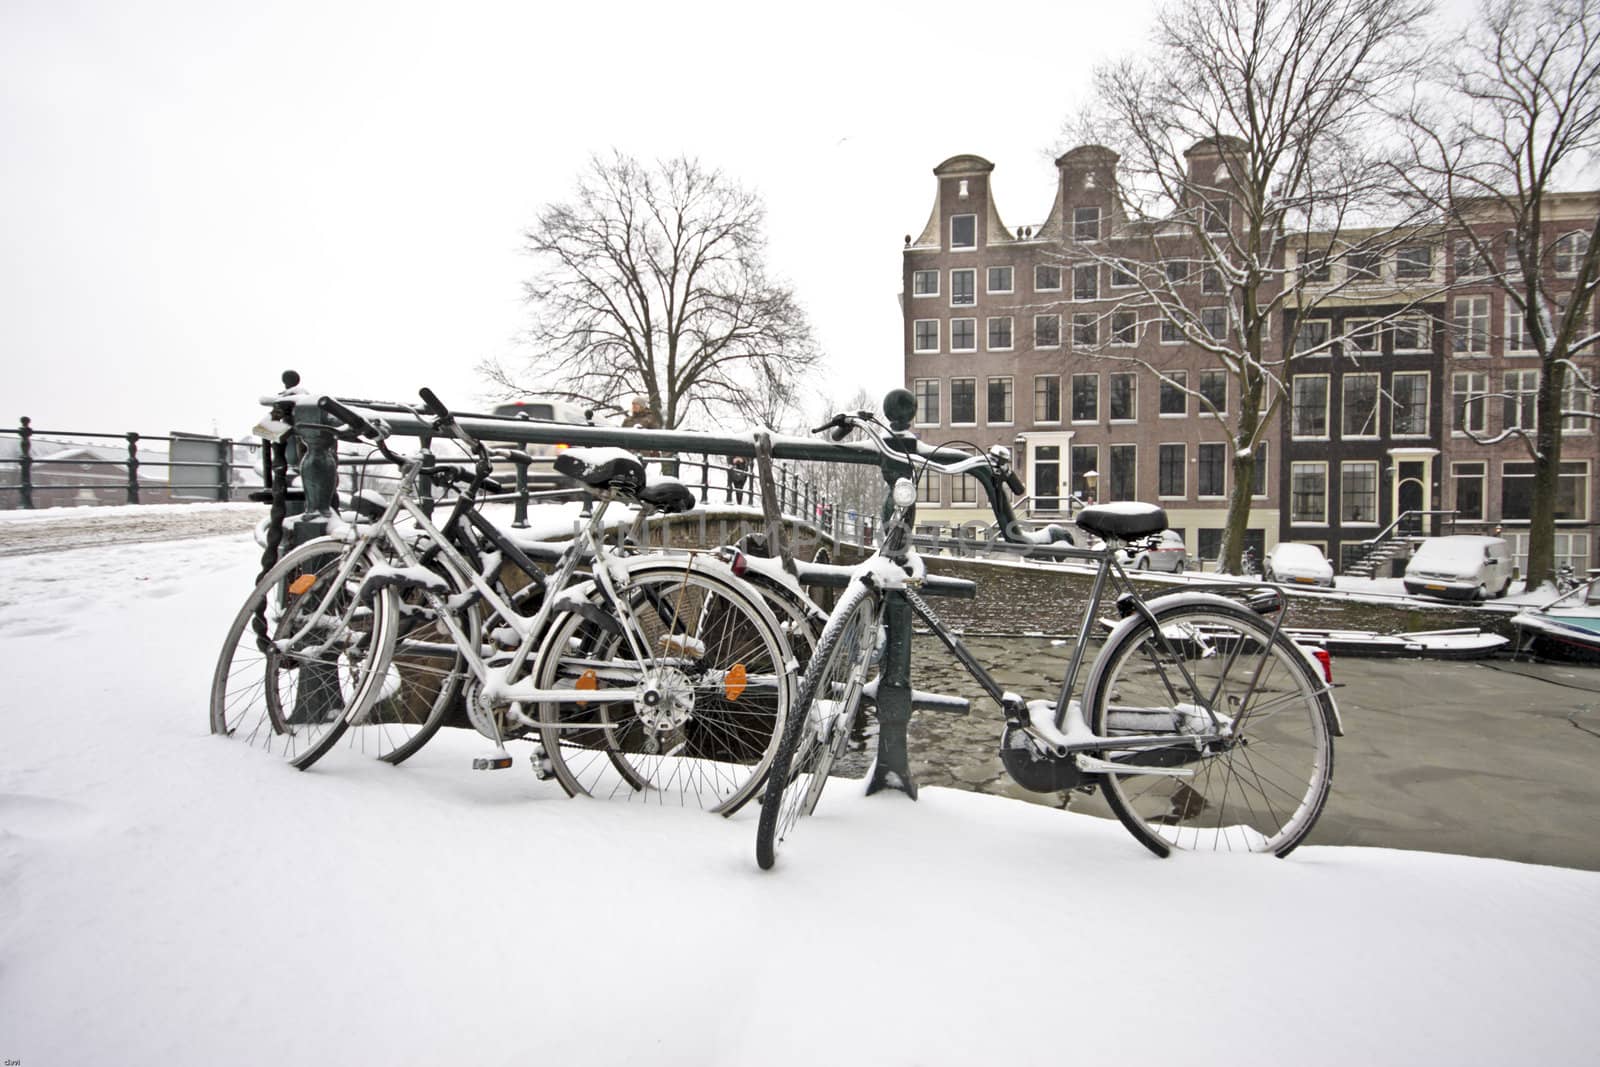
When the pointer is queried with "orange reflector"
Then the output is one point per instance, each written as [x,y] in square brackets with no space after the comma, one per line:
[734,681]
[302,584]
[587,680]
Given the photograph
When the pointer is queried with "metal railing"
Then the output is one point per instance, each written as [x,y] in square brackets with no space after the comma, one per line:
[66,467]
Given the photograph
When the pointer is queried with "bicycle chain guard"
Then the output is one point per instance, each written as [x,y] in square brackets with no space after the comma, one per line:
[1033,769]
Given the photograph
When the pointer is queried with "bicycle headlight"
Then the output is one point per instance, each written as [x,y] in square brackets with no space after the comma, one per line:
[905,493]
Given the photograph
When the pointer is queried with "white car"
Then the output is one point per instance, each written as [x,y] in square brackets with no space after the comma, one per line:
[542,474]
[1297,563]
[1163,552]
[1460,567]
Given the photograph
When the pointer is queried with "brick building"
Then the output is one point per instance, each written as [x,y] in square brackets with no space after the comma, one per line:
[1018,337]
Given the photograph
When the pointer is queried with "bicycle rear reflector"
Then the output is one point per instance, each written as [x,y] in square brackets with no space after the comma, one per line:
[734,682]
[302,584]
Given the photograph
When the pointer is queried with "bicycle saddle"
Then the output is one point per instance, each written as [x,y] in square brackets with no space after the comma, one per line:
[1123,520]
[603,468]
[667,495]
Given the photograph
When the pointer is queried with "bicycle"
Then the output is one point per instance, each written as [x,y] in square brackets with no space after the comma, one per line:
[1201,723]
[659,673]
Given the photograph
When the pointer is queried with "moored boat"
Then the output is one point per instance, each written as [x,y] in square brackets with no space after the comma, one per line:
[1567,628]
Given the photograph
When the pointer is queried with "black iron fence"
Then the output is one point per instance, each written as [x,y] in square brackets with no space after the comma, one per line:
[59,468]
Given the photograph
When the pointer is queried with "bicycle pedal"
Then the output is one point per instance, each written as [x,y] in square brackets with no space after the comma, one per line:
[499,762]
[543,770]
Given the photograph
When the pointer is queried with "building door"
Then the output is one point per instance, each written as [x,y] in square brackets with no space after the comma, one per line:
[1409,496]
[1047,473]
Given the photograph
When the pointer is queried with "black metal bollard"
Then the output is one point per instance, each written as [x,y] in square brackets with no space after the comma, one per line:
[25,456]
[133,468]
[892,769]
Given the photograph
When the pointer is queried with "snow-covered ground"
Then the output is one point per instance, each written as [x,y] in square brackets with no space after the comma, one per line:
[170,897]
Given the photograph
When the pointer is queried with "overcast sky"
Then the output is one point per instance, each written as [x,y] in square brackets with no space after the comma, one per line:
[194,196]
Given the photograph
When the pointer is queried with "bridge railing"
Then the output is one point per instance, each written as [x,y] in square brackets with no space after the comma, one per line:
[45,468]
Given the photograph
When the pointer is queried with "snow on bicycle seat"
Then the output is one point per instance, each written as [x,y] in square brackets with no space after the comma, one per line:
[603,468]
[667,495]
[1123,520]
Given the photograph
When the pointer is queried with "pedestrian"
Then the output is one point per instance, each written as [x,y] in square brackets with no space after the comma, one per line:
[641,417]
[738,474]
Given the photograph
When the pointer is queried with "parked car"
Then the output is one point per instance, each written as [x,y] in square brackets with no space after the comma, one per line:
[542,474]
[1297,563]
[1163,552]
[1461,567]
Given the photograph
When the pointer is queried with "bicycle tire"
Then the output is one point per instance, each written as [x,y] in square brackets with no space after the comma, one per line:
[711,741]
[817,728]
[1260,790]
[257,693]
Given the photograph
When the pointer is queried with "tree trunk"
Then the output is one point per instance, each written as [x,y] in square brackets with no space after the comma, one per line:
[1546,477]
[1243,464]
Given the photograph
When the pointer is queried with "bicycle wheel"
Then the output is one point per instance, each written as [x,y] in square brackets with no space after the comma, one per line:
[422,677]
[819,729]
[1260,788]
[712,671]
[798,617]
[290,692]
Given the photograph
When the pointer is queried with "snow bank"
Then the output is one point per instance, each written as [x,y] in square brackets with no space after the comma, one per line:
[170,897]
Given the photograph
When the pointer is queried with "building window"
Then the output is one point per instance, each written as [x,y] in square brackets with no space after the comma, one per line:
[1086,281]
[1214,321]
[1364,265]
[1176,271]
[1413,262]
[924,283]
[1362,337]
[963,490]
[963,335]
[1258,485]
[1086,224]
[928,489]
[963,287]
[1085,330]
[925,335]
[1513,254]
[1358,492]
[1575,398]
[1085,458]
[1170,462]
[1085,397]
[1124,328]
[1171,332]
[1469,401]
[1211,282]
[1214,216]
[1214,389]
[963,231]
[927,390]
[1410,415]
[1124,275]
[1120,481]
[1314,269]
[1521,398]
[1411,334]
[1308,492]
[1047,398]
[1569,252]
[1174,393]
[1310,412]
[1212,470]
[963,401]
[1468,481]
[1518,339]
[1122,397]
[1311,336]
[1572,490]
[1000,402]
[999,280]
[1359,412]
[1000,334]
[1047,331]
[1469,262]
[1469,325]
[1046,279]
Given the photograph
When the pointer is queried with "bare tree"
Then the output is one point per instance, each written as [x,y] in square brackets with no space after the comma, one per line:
[651,282]
[1247,134]
[1517,112]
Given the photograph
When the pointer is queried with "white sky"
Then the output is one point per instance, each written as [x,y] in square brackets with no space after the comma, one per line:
[194,196]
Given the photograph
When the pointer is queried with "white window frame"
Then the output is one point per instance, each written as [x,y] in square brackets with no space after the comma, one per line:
[1517,341]
[1116,341]
[1036,320]
[1227,381]
[1424,330]
[1427,403]
[974,383]
[1327,422]
[1427,275]
[1522,389]
[973,289]
[1060,407]
[1574,397]
[1183,389]
[1569,248]
[1321,465]
[1357,330]
[1462,331]
[1183,468]
[936,337]
[1478,413]
[1011,393]
[1226,323]
[1327,336]
[1060,274]
[988,333]
[1133,398]
[1377,405]
[1198,449]
[963,248]
[974,322]
[1072,399]
[1482,478]
[931,273]
[1377,491]
[1095,267]
[1077,224]
[988,279]
[938,399]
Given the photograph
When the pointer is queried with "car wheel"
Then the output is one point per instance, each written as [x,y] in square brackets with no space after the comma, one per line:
[1482,594]
[1332,582]
[1179,568]
[1143,564]
[1266,572]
